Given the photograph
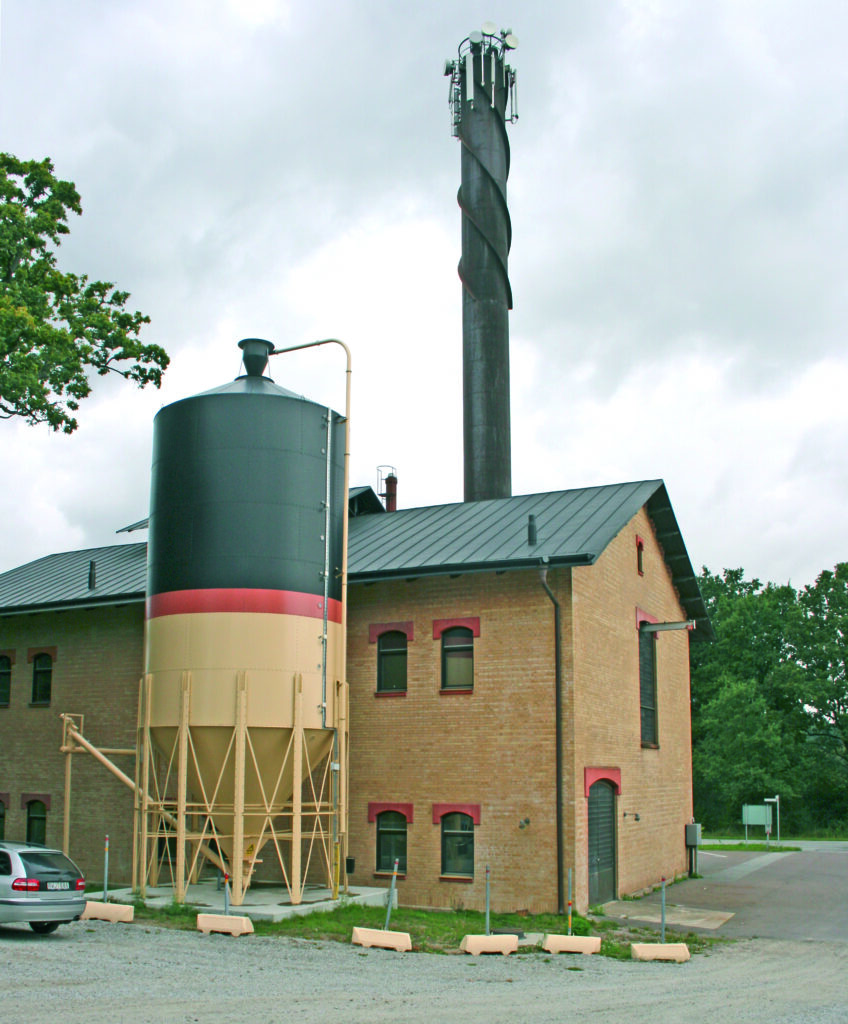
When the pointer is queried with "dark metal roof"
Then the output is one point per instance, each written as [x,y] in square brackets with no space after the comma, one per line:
[573,528]
[61,580]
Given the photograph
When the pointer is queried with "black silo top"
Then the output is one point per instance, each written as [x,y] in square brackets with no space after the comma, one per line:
[238,491]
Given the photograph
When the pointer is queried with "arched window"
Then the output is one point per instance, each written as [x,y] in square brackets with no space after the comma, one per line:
[42,678]
[458,844]
[391,662]
[5,679]
[36,822]
[457,659]
[391,841]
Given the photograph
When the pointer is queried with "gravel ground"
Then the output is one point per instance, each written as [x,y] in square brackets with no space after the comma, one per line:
[133,974]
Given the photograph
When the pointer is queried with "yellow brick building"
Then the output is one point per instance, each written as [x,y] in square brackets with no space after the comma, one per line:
[476,740]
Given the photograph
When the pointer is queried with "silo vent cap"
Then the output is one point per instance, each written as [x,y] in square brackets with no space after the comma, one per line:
[254,355]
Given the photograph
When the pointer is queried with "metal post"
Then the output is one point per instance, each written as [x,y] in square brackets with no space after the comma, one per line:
[66,822]
[488,894]
[227,894]
[106,871]
[662,933]
[570,904]
[391,897]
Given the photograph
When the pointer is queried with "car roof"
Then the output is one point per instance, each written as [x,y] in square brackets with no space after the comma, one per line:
[17,847]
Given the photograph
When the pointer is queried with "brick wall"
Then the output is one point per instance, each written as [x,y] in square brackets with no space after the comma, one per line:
[493,747]
[656,783]
[99,656]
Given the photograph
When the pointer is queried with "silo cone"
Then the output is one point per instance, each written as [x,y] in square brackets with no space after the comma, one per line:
[243,622]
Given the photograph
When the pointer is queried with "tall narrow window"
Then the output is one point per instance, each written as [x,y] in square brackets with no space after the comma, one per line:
[648,687]
[391,662]
[391,841]
[36,822]
[457,659]
[2,819]
[458,844]
[42,678]
[5,679]
[640,556]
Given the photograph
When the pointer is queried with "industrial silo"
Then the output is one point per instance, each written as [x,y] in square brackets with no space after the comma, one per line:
[244,647]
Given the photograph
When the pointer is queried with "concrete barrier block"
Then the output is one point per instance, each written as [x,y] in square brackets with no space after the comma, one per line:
[572,943]
[381,939]
[675,951]
[226,923]
[95,911]
[477,944]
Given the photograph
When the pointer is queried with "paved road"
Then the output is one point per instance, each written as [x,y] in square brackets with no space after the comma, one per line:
[800,896]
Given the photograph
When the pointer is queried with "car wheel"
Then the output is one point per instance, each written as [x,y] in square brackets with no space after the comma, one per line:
[44,927]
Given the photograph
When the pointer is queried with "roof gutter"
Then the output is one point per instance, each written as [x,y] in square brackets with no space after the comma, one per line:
[72,606]
[409,572]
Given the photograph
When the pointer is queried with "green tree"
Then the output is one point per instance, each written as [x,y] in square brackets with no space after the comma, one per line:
[770,699]
[56,329]
[823,651]
[748,724]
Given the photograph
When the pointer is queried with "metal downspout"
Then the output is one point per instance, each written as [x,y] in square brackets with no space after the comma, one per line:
[543,578]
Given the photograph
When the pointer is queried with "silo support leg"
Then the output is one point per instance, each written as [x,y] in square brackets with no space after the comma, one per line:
[238,791]
[297,792]
[182,787]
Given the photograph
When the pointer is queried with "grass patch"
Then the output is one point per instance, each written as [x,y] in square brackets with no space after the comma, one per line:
[431,931]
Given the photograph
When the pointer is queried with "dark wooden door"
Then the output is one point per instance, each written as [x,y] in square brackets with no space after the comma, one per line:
[601,843]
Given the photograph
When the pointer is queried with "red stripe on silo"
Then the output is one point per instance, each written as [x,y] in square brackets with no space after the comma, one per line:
[275,602]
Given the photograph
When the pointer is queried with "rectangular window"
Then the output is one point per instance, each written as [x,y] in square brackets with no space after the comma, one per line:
[42,678]
[457,659]
[391,662]
[391,841]
[5,679]
[648,687]
[458,844]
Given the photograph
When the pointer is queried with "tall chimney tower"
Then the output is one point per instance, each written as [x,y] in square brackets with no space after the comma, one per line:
[482,100]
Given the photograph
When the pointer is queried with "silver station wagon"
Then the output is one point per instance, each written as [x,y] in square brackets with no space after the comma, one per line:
[39,887]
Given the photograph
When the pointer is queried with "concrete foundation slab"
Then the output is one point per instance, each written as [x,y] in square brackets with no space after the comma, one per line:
[676,916]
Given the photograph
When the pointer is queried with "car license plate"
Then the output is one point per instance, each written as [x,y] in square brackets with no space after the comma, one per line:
[58,885]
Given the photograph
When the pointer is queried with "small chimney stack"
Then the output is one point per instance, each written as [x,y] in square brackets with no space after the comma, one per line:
[387,486]
[92,575]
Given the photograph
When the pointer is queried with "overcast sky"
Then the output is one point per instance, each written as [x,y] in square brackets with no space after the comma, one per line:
[679,203]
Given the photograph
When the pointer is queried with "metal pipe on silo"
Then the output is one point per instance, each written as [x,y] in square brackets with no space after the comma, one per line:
[482,87]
